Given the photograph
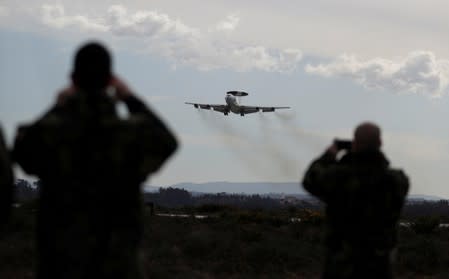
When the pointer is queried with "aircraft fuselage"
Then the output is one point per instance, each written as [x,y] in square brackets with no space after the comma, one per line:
[233,104]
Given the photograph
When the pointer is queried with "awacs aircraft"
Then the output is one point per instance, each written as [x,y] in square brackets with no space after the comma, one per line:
[232,105]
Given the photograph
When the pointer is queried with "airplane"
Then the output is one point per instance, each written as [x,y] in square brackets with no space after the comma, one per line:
[232,105]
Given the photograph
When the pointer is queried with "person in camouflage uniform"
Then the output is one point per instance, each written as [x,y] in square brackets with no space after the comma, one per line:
[363,198]
[6,183]
[91,164]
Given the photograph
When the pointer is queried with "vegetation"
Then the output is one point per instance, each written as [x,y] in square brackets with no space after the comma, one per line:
[173,197]
[237,242]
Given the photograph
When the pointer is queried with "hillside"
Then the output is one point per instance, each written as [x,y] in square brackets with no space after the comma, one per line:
[273,189]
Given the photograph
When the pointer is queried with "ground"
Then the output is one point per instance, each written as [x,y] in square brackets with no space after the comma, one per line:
[234,243]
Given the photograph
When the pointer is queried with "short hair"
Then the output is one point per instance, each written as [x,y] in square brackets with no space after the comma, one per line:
[92,67]
[367,137]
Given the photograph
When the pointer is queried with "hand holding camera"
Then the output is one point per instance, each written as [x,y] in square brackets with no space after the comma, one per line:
[343,144]
[338,145]
[122,90]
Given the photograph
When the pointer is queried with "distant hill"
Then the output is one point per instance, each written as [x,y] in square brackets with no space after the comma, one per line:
[25,190]
[262,188]
[273,189]
[425,197]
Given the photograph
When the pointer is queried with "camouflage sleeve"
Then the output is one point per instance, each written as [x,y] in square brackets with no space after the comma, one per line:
[6,182]
[402,186]
[27,149]
[161,146]
[320,178]
[158,143]
[136,106]
[404,183]
[28,145]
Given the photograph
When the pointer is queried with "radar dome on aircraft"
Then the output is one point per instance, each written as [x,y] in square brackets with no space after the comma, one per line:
[237,93]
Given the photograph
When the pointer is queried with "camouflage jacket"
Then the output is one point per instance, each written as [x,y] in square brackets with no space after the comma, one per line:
[82,150]
[6,181]
[363,198]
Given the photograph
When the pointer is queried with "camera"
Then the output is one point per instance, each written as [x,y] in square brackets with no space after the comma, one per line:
[343,144]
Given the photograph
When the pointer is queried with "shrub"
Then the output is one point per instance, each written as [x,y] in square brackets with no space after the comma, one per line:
[425,225]
[312,217]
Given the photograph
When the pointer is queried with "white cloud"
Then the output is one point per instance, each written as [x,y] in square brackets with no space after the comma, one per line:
[419,72]
[177,41]
[55,16]
[229,24]
[285,23]
[145,23]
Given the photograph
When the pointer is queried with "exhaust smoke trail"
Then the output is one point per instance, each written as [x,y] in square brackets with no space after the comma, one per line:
[284,160]
[315,142]
[239,143]
[263,151]
[279,148]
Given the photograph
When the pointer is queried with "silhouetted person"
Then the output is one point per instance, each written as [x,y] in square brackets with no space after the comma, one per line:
[363,198]
[6,183]
[91,164]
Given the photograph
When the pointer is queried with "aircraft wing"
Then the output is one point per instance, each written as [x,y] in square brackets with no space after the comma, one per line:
[220,108]
[252,109]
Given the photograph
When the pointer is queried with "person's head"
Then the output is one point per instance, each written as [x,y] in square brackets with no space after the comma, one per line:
[92,67]
[366,138]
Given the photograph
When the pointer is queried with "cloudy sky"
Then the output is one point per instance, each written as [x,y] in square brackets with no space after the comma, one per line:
[336,63]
